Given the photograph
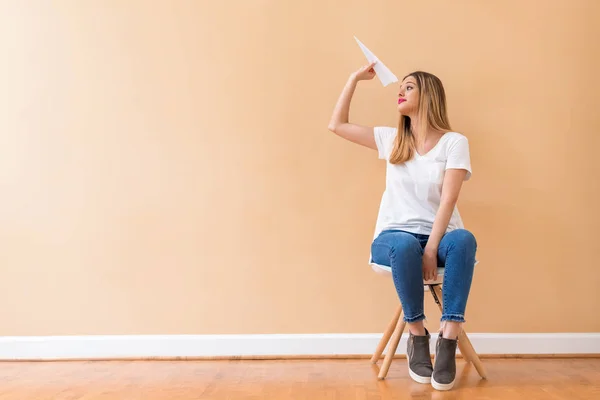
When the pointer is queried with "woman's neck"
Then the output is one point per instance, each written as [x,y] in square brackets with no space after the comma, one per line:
[427,134]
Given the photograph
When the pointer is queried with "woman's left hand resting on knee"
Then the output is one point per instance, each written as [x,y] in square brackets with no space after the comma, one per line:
[429,265]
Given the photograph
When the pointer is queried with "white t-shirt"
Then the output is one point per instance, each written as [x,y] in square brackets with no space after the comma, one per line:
[413,189]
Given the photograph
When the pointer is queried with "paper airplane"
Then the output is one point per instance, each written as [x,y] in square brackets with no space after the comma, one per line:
[383,73]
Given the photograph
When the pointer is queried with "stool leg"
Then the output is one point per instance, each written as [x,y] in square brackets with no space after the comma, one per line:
[468,350]
[387,361]
[386,335]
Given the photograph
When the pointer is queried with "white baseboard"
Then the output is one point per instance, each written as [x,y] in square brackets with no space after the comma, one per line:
[198,346]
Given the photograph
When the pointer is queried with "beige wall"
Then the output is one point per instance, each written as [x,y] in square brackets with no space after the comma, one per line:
[166,166]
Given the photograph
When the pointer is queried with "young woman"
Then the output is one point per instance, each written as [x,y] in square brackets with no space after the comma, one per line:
[419,227]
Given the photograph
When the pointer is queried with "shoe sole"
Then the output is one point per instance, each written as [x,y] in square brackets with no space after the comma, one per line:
[442,386]
[417,378]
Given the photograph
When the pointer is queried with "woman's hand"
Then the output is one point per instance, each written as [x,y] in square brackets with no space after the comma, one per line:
[365,73]
[429,265]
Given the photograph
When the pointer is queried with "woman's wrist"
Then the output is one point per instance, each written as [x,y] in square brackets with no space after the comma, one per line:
[430,249]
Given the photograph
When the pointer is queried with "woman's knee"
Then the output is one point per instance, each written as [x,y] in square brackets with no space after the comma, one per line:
[463,238]
[396,250]
[403,245]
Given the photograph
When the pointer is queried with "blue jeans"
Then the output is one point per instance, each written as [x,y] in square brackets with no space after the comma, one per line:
[403,252]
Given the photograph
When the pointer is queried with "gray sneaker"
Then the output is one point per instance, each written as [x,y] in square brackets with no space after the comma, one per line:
[444,370]
[419,359]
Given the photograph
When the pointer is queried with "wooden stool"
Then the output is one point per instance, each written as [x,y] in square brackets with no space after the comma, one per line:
[394,330]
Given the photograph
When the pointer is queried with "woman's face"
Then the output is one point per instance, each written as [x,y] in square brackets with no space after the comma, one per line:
[408,97]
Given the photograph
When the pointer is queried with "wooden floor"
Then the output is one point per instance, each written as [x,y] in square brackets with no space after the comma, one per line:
[549,379]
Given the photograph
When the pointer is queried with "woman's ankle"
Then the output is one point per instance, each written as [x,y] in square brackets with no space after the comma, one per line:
[417,328]
[451,329]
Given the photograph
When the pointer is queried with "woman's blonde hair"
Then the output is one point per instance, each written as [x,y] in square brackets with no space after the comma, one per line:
[431,114]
